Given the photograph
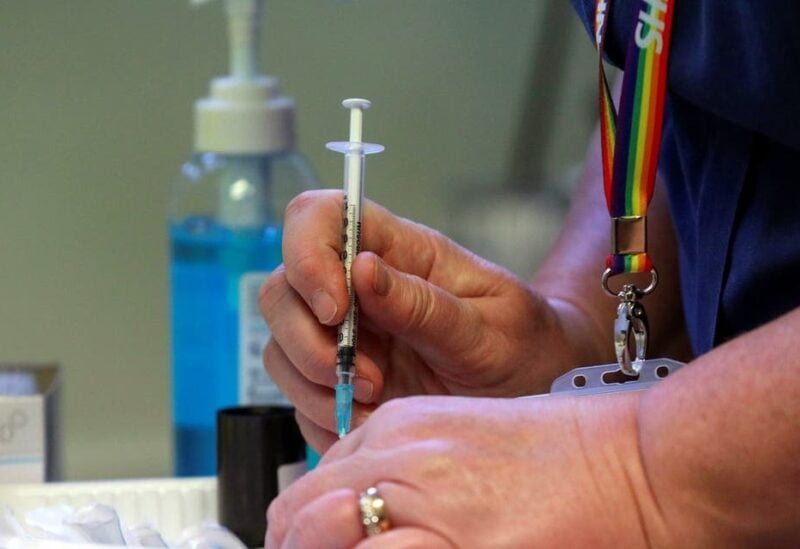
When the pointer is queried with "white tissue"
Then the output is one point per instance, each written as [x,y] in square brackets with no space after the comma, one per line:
[208,536]
[145,535]
[100,524]
[97,524]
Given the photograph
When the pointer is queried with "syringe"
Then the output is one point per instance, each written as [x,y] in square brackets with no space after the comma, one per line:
[354,152]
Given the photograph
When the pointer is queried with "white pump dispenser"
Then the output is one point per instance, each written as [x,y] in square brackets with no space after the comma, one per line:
[245,112]
[225,229]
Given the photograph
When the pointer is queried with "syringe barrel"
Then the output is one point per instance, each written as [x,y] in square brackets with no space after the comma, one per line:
[345,364]
[354,176]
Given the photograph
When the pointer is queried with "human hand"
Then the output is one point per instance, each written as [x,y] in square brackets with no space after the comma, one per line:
[434,318]
[456,472]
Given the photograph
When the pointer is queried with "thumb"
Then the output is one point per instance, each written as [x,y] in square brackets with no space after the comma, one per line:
[441,327]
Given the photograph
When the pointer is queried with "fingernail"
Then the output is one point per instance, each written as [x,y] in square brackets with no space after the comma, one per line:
[363,389]
[381,283]
[324,306]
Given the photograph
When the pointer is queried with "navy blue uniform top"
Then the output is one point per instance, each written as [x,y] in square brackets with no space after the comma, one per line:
[730,156]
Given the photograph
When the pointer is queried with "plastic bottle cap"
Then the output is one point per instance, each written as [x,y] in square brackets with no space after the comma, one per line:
[244,116]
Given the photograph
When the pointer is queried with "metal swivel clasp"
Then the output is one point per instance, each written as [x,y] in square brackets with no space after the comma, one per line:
[631,320]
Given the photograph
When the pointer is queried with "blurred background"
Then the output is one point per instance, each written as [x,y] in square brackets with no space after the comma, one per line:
[484,107]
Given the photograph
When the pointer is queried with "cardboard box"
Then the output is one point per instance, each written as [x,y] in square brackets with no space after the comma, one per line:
[29,446]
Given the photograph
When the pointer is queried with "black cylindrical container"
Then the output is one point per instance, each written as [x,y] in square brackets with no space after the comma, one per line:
[252,444]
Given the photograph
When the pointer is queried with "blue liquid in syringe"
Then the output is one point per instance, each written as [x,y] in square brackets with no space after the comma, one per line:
[207,262]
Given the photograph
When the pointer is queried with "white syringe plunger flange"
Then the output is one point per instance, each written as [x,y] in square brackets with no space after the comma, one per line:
[357,106]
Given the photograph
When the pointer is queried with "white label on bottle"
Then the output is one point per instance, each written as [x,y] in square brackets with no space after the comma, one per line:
[255,386]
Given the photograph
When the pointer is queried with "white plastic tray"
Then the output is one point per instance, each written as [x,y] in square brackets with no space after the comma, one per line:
[170,504]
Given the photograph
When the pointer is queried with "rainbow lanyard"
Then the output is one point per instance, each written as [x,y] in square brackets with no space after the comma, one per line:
[631,139]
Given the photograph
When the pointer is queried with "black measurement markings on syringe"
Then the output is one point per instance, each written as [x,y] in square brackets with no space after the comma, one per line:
[347,244]
[348,335]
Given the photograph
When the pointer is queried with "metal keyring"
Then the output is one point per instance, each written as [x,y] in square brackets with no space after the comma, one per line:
[631,322]
[607,274]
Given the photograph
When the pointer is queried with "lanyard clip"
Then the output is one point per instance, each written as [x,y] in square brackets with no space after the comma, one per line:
[631,320]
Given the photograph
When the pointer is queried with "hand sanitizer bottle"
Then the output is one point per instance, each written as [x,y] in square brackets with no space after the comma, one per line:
[225,234]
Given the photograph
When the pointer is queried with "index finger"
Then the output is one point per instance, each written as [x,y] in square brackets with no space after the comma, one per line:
[312,244]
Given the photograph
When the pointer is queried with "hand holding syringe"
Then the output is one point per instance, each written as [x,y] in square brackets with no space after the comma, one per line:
[354,152]
[441,320]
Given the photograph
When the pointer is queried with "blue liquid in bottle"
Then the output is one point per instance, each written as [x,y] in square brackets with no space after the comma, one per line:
[207,263]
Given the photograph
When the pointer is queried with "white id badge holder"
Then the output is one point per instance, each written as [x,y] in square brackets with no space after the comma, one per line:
[629,373]
[608,378]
